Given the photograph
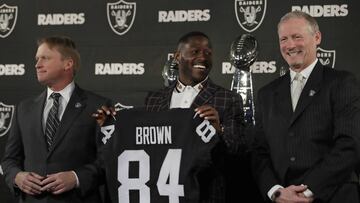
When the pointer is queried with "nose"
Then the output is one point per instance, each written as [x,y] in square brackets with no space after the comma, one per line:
[290,44]
[202,55]
[38,64]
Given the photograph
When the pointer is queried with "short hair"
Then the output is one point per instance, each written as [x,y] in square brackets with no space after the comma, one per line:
[313,25]
[185,38]
[66,47]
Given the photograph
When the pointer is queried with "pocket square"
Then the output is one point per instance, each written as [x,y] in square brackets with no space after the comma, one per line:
[312,93]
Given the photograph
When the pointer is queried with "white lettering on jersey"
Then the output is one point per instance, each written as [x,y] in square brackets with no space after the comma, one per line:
[153,135]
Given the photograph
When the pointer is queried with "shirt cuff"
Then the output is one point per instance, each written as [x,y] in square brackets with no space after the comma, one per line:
[77,179]
[273,190]
[308,193]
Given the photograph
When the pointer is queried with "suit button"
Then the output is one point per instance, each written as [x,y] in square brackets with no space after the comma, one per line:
[292,159]
[291,134]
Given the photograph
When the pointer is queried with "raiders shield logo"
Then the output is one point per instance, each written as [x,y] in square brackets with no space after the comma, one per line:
[6,114]
[250,14]
[8,16]
[326,57]
[121,16]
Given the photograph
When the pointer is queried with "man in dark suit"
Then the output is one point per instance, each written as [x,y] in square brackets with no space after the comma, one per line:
[308,124]
[220,106]
[52,147]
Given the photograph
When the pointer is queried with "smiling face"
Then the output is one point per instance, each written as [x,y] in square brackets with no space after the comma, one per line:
[298,43]
[195,60]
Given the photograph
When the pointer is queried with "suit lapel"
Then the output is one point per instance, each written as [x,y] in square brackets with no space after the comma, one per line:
[73,109]
[164,103]
[282,96]
[205,95]
[38,110]
[311,88]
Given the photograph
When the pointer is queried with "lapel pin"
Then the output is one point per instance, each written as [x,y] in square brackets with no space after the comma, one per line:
[312,93]
[78,105]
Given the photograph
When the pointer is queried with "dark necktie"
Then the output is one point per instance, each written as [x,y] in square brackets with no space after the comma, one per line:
[52,122]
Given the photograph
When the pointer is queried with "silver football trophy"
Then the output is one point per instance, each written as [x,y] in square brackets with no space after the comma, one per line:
[243,53]
[170,72]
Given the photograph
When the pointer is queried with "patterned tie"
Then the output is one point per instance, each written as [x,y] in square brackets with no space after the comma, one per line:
[296,88]
[52,122]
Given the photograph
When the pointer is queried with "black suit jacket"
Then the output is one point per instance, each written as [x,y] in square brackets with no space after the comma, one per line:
[318,144]
[229,107]
[75,146]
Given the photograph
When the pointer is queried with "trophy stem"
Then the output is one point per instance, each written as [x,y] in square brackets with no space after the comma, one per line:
[242,84]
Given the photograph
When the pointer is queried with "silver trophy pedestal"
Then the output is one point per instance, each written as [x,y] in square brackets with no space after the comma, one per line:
[242,84]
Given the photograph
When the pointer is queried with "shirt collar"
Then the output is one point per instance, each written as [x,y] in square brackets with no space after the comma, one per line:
[305,72]
[180,87]
[65,93]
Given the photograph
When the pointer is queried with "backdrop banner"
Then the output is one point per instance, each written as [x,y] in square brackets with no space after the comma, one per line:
[125,44]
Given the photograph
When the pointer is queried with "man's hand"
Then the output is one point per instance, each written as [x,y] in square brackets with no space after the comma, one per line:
[58,183]
[103,113]
[293,194]
[29,182]
[209,113]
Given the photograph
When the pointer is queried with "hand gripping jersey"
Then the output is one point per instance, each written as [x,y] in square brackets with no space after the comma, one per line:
[154,157]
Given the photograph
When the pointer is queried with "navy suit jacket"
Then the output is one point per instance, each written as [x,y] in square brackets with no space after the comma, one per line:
[318,144]
[75,147]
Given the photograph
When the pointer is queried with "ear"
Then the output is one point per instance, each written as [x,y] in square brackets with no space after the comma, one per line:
[177,57]
[68,64]
[318,37]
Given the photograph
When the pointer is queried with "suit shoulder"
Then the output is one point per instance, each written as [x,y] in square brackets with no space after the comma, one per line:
[96,98]
[91,94]
[272,85]
[157,93]
[339,78]
[337,73]
[32,99]
[222,90]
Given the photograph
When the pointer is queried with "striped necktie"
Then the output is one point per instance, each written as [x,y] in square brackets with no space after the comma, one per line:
[52,122]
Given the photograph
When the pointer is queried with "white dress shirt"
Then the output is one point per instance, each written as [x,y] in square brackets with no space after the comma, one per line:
[63,101]
[183,96]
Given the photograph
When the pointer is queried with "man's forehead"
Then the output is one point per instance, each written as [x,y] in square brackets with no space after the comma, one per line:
[197,41]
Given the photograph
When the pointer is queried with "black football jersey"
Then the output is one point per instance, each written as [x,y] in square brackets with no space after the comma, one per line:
[154,157]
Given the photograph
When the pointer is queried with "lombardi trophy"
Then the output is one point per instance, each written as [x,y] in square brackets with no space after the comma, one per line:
[243,53]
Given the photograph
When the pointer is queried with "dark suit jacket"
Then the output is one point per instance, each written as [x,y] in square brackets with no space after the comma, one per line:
[318,144]
[75,146]
[229,107]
